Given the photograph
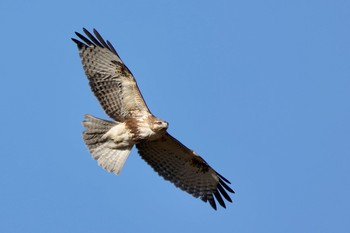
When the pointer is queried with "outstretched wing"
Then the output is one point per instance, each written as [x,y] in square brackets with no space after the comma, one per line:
[183,167]
[111,81]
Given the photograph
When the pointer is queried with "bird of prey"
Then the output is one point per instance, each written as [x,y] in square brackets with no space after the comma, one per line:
[110,141]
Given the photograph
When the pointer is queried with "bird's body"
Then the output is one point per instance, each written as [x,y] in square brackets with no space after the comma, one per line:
[110,142]
[136,130]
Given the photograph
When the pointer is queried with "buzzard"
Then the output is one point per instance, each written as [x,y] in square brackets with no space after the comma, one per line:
[110,142]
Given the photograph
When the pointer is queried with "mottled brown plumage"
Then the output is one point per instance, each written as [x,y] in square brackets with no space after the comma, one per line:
[110,142]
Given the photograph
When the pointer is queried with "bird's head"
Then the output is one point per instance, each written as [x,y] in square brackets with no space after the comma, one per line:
[159,125]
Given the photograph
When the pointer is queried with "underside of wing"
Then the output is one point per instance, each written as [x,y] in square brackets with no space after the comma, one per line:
[111,81]
[185,169]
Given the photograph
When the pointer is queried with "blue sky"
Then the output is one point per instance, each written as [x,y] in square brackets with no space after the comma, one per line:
[260,89]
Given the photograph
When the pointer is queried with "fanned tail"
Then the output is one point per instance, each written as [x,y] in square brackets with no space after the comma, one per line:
[103,149]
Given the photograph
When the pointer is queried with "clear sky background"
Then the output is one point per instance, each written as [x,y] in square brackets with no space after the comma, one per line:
[260,89]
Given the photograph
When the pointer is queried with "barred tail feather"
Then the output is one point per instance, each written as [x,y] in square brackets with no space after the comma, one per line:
[103,149]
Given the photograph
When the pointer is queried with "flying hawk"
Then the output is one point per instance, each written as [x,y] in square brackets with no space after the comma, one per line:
[110,142]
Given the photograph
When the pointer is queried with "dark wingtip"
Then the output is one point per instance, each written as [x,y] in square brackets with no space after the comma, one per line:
[79,43]
[100,39]
[95,31]
[84,39]
[85,30]
[221,190]
[211,201]
[226,180]
[226,186]
[93,40]
[224,193]
[112,48]
[219,198]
